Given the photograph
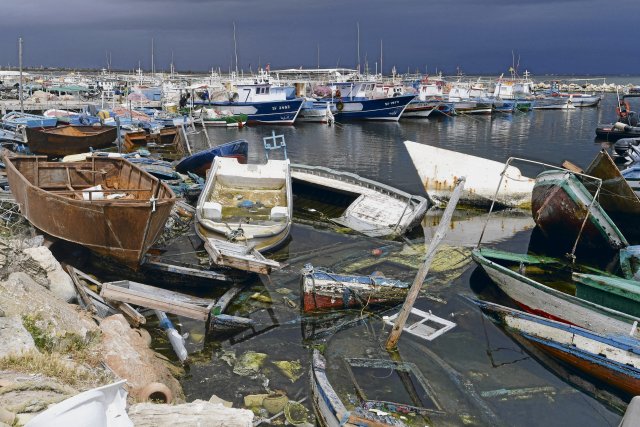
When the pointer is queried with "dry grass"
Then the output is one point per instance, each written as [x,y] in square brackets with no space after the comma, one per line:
[57,366]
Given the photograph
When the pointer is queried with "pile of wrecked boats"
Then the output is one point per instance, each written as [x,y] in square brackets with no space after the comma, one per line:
[575,311]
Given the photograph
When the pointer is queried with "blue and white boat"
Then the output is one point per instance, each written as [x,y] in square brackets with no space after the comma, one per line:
[354,101]
[200,162]
[15,118]
[261,101]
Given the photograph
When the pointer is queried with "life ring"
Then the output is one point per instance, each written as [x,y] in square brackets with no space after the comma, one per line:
[155,392]
[623,109]
[340,106]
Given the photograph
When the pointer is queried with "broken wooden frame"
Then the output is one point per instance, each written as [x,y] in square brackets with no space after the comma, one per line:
[423,326]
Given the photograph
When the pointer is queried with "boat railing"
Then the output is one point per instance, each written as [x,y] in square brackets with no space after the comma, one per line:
[573,172]
[352,178]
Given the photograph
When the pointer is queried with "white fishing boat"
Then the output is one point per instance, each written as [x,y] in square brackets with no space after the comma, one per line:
[439,169]
[245,209]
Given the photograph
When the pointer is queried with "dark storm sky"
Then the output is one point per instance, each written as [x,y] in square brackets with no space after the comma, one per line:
[550,36]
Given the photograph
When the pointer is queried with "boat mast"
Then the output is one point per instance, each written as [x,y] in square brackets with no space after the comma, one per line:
[358,26]
[152,64]
[235,46]
[20,65]
[381,73]
[318,56]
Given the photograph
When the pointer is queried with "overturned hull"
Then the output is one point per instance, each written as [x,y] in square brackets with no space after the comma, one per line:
[439,170]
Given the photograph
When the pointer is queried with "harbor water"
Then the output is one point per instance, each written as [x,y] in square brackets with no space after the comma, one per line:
[515,387]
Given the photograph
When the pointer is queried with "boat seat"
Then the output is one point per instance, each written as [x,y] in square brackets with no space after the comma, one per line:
[212,211]
[279,213]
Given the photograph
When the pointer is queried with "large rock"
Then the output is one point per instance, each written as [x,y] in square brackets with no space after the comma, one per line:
[59,281]
[196,413]
[14,338]
[21,296]
[127,353]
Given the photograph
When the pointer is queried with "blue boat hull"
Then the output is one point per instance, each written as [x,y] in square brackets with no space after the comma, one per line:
[368,109]
[271,112]
[200,162]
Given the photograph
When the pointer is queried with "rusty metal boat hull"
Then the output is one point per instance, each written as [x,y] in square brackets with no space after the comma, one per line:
[58,199]
[559,204]
[67,140]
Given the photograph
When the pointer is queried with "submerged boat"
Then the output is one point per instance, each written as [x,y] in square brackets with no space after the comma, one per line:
[544,286]
[439,169]
[245,209]
[614,360]
[66,140]
[375,209]
[323,289]
[200,162]
[106,204]
[560,203]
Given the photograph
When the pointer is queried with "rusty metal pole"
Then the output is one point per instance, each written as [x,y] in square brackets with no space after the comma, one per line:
[439,235]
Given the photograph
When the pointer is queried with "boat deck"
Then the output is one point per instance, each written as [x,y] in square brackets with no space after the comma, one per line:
[239,203]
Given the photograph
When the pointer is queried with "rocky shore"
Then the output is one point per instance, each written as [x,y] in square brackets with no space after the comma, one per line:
[52,349]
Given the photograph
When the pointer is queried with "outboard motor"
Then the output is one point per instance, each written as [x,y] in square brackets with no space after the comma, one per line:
[626,146]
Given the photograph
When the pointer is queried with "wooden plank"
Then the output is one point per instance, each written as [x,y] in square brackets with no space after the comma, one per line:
[163,293]
[80,288]
[154,264]
[134,318]
[144,299]
[223,254]
[572,167]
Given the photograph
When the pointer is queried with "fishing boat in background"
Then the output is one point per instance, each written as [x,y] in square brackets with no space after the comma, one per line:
[324,290]
[260,100]
[66,140]
[519,90]
[430,100]
[106,204]
[544,286]
[245,209]
[200,162]
[355,101]
[469,98]
[614,360]
[559,205]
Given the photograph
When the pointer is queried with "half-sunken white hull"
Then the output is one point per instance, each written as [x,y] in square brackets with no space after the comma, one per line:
[439,168]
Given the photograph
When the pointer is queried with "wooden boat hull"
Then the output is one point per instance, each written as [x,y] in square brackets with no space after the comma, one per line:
[324,291]
[122,229]
[67,140]
[537,298]
[559,204]
[200,162]
[609,359]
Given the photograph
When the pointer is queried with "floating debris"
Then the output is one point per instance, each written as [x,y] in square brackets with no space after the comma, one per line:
[291,369]
[249,363]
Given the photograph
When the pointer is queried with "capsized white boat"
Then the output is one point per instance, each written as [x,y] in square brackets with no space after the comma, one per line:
[245,209]
[100,407]
[439,170]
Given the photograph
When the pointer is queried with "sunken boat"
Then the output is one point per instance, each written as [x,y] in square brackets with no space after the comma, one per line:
[614,360]
[560,205]
[67,140]
[545,286]
[200,162]
[244,210]
[323,289]
[108,205]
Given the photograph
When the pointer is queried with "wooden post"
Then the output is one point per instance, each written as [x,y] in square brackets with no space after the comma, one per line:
[204,129]
[440,233]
